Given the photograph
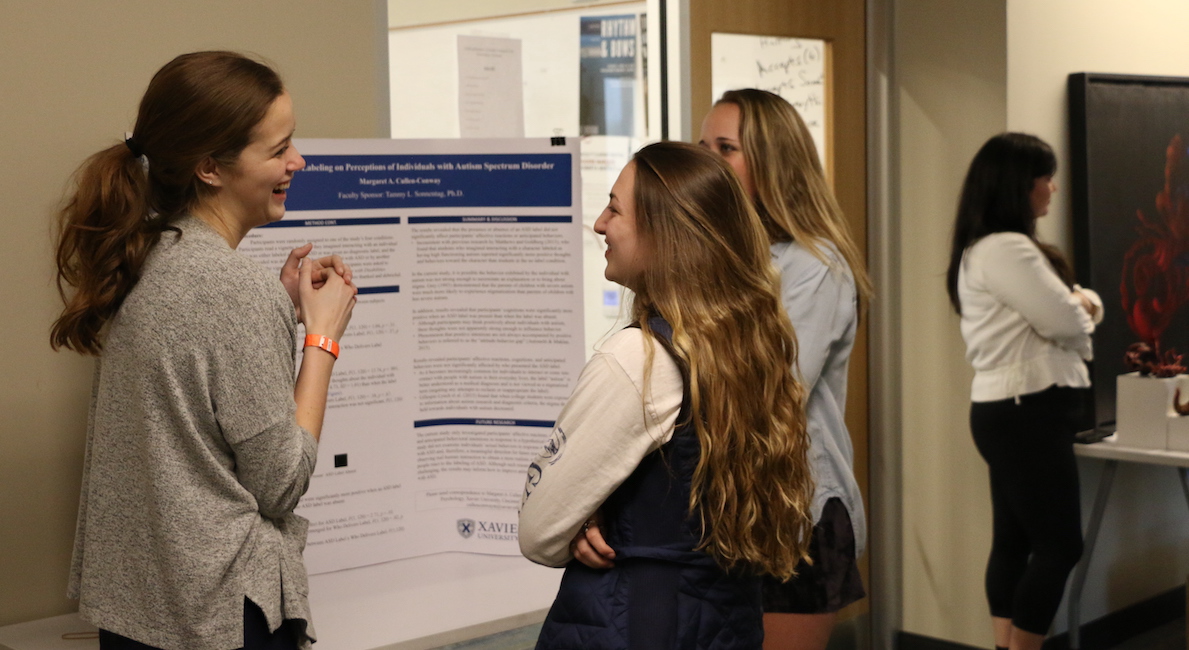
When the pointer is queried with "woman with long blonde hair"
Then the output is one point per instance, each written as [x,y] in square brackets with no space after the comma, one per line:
[676,474]
[822,281]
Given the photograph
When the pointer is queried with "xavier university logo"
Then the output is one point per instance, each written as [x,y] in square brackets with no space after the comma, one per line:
[466,527]
[505,531]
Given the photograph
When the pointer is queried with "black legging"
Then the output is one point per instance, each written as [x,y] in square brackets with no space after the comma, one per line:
[256,634]
[1035,498]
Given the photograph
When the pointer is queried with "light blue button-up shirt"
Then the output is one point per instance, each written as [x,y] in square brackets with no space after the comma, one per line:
[822,304]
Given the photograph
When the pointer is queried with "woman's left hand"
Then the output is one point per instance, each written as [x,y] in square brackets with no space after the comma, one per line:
[1087,304]
[589,547]
[291,272]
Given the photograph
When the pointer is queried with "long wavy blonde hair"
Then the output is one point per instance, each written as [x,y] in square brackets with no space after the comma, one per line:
[711,278]
[792,196]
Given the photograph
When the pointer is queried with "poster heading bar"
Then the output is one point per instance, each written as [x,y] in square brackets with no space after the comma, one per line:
[337,182]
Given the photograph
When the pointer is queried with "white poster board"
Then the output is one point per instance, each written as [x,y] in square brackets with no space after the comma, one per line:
[490,96]
[465,343]
[794,68]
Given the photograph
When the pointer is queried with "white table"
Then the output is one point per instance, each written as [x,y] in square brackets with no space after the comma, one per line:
[66,632]
[1113,453]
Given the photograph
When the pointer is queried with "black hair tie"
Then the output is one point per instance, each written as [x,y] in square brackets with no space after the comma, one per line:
[134,147]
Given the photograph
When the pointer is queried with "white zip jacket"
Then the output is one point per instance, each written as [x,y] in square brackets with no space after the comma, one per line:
[1024,329]
[610,423]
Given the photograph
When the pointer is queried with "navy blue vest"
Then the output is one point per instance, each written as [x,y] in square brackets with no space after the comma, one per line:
[661,594]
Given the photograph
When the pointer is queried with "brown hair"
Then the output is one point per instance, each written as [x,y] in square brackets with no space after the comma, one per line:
[199,106]
[712,280]
[792,196]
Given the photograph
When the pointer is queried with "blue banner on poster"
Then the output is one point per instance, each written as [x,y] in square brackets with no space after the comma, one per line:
[432,181]
[395,288]
[491,219]
[482,422]
[322,223]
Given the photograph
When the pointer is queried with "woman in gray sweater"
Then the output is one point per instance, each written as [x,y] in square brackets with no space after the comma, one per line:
[200,441]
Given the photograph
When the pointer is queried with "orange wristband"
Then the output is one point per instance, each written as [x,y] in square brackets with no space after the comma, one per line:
[323,342]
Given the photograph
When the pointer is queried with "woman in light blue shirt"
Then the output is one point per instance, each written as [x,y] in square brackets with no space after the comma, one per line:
[822,279]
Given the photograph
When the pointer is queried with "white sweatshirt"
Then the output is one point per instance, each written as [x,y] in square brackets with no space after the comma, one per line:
[610,423]
[1024,329]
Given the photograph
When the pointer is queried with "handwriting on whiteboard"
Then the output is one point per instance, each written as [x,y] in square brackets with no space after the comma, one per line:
[794,68]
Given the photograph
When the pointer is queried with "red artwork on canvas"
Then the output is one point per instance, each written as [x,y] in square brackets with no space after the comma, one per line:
[1155,282]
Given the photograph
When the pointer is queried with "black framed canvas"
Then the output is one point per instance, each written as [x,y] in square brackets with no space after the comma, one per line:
[1130,173]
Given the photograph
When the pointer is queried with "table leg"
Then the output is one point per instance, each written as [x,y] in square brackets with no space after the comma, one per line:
[1184,471]
[1079,574]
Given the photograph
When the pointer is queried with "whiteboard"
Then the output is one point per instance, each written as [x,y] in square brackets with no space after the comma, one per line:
[794,68]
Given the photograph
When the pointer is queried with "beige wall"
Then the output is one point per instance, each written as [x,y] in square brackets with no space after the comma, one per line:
[951,76]
[1146,528]
[413,13]
[70,77]
[965,71]
[1049,39]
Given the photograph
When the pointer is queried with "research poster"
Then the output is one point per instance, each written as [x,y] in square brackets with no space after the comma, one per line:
[466,339]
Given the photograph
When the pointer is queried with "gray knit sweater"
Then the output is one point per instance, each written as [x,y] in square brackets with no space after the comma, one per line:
[194,459]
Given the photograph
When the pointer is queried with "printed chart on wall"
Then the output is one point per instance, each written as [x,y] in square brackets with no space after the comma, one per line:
[465,342]
[794,68]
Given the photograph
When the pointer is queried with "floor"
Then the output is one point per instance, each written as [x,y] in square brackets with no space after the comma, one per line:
[846,637]
[1170,636]
[521,638]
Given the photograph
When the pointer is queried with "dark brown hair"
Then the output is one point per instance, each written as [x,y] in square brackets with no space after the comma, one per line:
[711,278]
[996,197]
[199,106]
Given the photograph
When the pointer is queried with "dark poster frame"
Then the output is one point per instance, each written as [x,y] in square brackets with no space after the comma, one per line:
[1120,134]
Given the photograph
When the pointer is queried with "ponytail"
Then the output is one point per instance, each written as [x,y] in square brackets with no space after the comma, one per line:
[199,106]
[105,234]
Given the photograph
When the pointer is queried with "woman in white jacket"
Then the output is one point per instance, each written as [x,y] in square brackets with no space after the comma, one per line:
[1027,329]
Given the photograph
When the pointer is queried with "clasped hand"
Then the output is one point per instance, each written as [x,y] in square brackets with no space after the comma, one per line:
[321,289]
[1086,303]
[590,548]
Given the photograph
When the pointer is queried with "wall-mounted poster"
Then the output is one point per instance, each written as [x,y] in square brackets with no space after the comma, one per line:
[1130,172]
[465,341]
[490,87]
[607,55]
